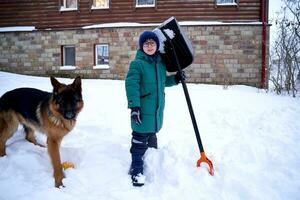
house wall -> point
(47, 15)
(224, 54)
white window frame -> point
(144, 6)
(104, 65)
(232, 3)
(98, 7)
(64, 55)
(64, 7)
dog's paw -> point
(67, 165)
(58, 180)
(59, 184)
(2, 152)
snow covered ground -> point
(251, 136)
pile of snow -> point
(251, 136)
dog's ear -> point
(77, 83)
(56, 85)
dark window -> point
(145, 3)
(225, 2)
(69, 56)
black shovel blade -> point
(181, 43)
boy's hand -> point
(177, 76)
(136, 115)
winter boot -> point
(138, 180)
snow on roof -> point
(17, 28)
(129, 24)
(183, 23)
(195, 23)
(118, 24)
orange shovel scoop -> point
(204, 159)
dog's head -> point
(67, 99)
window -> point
(101, 55)
(99, 4)
(226, 2)
(68, 5)
(145, 3)
(69, 55)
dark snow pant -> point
(139, 145)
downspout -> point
(264, 39)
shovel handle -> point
(203, 158)
(186, 93)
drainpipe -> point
(264, 39)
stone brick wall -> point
(226, 54)
(223, 54)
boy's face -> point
(149, 47)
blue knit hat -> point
(146, 35)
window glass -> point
(69, 55)
(225, 1)
(100, 3)
(70, 3)
(145, 2)
(102, 54)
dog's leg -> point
(53, 150)
(30, 136)
(8, 126)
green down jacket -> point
(145, 85)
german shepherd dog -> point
(51, 113)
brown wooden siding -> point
(46, 15)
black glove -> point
(136, 115)
(177, 76)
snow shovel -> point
(203, 158)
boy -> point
(145, 84)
